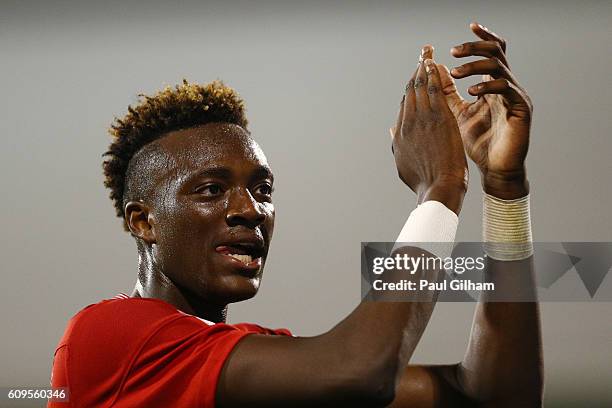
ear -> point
(140, 221)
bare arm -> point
(503, 365)
(358, 361)
(354, 364)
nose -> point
(243, 209)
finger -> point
(409, 101)
(420, 81)
(426, 52)
(437, 100)
(410, 105)
(400, 115)
(449, 89)
(487, 49)
(490, 66)
(502, 86)
(398, 122)
(420, 88)
(487, 35)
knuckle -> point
(419, 82)
(410, 85)
(497, 65)
(422, 122)
(441, 117)
(431, 119)
(529, 103)
(432, 89)
(498, 48)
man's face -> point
(213, 212)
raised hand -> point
(428, 151)
(495, 127)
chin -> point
(237, 288)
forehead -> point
(211, 145)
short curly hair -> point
(184, 106)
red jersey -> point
(141, 352)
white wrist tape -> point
(430, 226)
(506, 228)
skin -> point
(363, 360)
(213, 187)
(495, 127)
(503, 365)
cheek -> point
(185, 236)
(268, 208)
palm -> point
(494, 134)
(494, 129)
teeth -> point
(242, 258)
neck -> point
(153, 283)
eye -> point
(210, 190)
(265, 189)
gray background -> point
(322, 84)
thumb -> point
(449, 89)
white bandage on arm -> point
(506, 228)
(430, 226)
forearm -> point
(384, 333)
(380, 337)
(503, 363)
(356, 362)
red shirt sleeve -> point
(143, 352)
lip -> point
(251, 245)
(252, 240)
(249, 269)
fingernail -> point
(457, 48)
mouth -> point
(244, 255)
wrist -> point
(506, 187)
(450, 194)
(506, 228)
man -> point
(194, 190)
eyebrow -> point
(263, 172)
(220, 172)
(225, 173)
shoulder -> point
(115, 324)
(118, 317)
(255, 328)
(114, 349)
